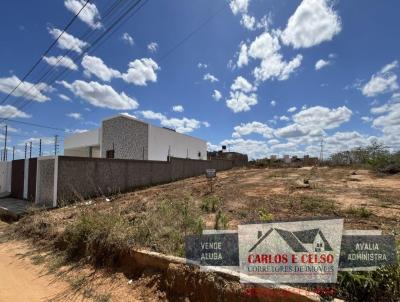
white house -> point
(125, 137)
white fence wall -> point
(5, 176)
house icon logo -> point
(312, 240)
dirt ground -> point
(365, 200)
(31, 275)
(246, 195)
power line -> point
(115, 23)
(5, 145)
(193, 32)
(55, 144)
(51, 69)
(44, 54)
(37, 125)
(187, 37)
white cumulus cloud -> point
(95, 66)
(242, 84)
(243, 58)
(266, 47)
(89, 15)
(100, 95)
(313, 22)
(183, 125)
(67, 41)
(217, 95)
(128, 38)
(64, 97)
(75, 115)
(8, 111)
(248, 22)
(323, 117)
(240, 101)
(239, 6)
(383, 81)
(26, 90)
(210, 77)
(141, 71)
(61, 61)
(321, 64)
(152, 47)
(178, 108)
(253, 127)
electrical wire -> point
(44, 54)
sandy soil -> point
(21, 281)
(244, 192)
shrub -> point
(165, 226)
(380, 285)
(359, 212)
(37, 224)
(265, 216)
(102, 236)
(210, 204)
(221, 221)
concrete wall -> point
(26, 177)
(128, 137)
(81, 152)
(5, 176)
(80, 178)
(92, 151)
(84, 139)
(162, 141)
(46, 181)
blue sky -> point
(264, 77)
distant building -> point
(287, 159)
(125, 137)
(238, 159)
(273, 157)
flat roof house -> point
(125, 137)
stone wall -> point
(80, 178)
(128, 137)
(5, 176)
(45, 182)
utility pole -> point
(26, 146)
(5, 146)
(321, 154)
(30, 149)
(40, 147)
(55, 144)
(13, 152)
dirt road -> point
(20, 280)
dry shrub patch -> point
(38, 224)
(164, 226)
(382, 196)
(358, 212)
(102, 236)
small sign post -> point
(211, 174)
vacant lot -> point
(100, 230)
(159, 217)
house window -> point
(110, 154)
(319, 247)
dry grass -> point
(158, 218)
